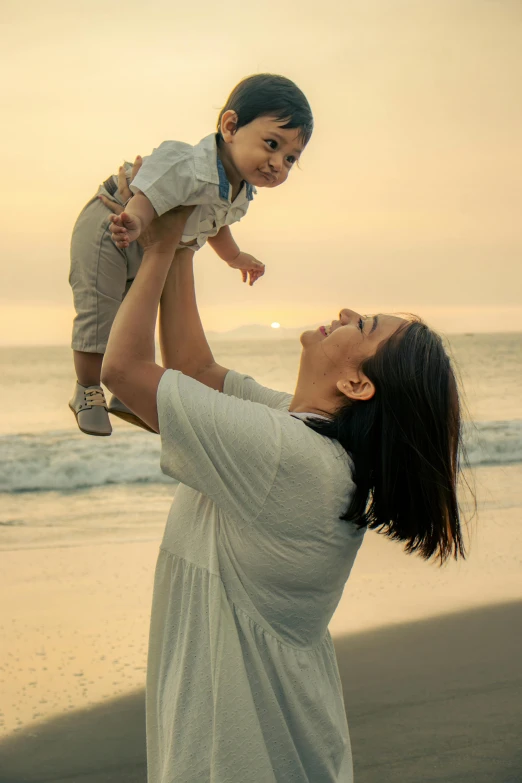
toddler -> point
(261, 132)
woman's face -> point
(333, 353)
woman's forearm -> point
(140, 208)
(132, 335)
(183, 343)
(128, 368)
(131, 342)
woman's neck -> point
(304, 402)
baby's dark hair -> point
(268, 95)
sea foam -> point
(69, 461)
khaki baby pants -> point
(100, 276)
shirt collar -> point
(209, 168)
(224, 184)
(305, 416)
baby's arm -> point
(138, 215)
(226, 247)
(224, 244)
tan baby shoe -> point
(90, 409)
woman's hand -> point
(160, 232)
(124, 191)
(165, 232)
(121, 219)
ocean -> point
(51, 474)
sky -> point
(408, 197)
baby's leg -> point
(88, 367)
(99, 278)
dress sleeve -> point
(224, 447)
(167, 176)
(245, 387)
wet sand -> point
(430, 658)
(436, 701)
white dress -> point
(243, 684)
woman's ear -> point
(359, 388)
(228, 125)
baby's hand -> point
(249, 266)
(125, 229)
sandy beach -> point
(430, 658)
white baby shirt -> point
(181, 174)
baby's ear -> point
(229, 122)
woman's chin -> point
(308, 337)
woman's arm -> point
(129, 369)
(183, 343)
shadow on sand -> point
(436, 701)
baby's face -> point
(263, 152)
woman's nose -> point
(346, 315)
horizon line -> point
(270, 330)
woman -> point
(276, 493)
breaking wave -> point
(65, 461)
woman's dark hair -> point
(406, 444)
(267, 95)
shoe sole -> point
(89, 432)
(131, 418)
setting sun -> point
(275, 325)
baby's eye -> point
(291, 159)
(272, 143)
(361, 324)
